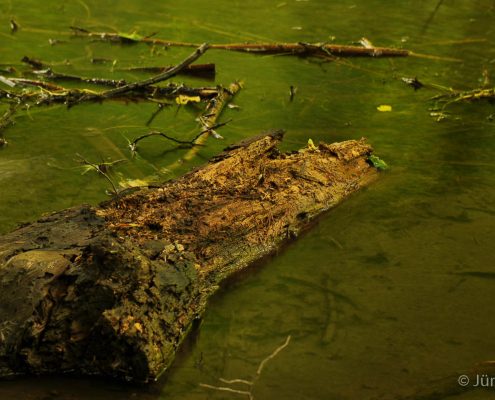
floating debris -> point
(413, 82)
(366, 43)
(292, 92)
(14, 27)
(384, 108)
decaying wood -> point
(113, 290)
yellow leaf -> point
(183, 99)
(384, 108)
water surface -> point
(391, 290)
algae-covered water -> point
(387, 293)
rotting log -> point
(113, 290)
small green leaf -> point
(377, 162)
(311, 145)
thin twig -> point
(248, 393)
(40, 84)
(208, 130)
(227, 389)
(50, 74)
(37, 64)
(432, 15)
(231, 381)
(190, 143)
(274, 354)
(158, 110)
(133, 144)
(101, 171)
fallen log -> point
(113, 290)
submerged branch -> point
(133, 144)
(50, 93)
(208, 121)
(143, 89)
(273, 355)
(37, 83)
(153, 80)
(454, 96)
(199, 70)
(451, 96)
(313, 49)
(213, 110)
(300, 48)
(251, 383)
(56, 76)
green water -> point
(389, 291)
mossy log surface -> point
(113, 290)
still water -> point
(388, 292)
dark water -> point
(388, 292)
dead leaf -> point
(384, 108)
(183, 99)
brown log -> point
(113, 290)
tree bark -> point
(112, 290)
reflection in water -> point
(390, 291)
